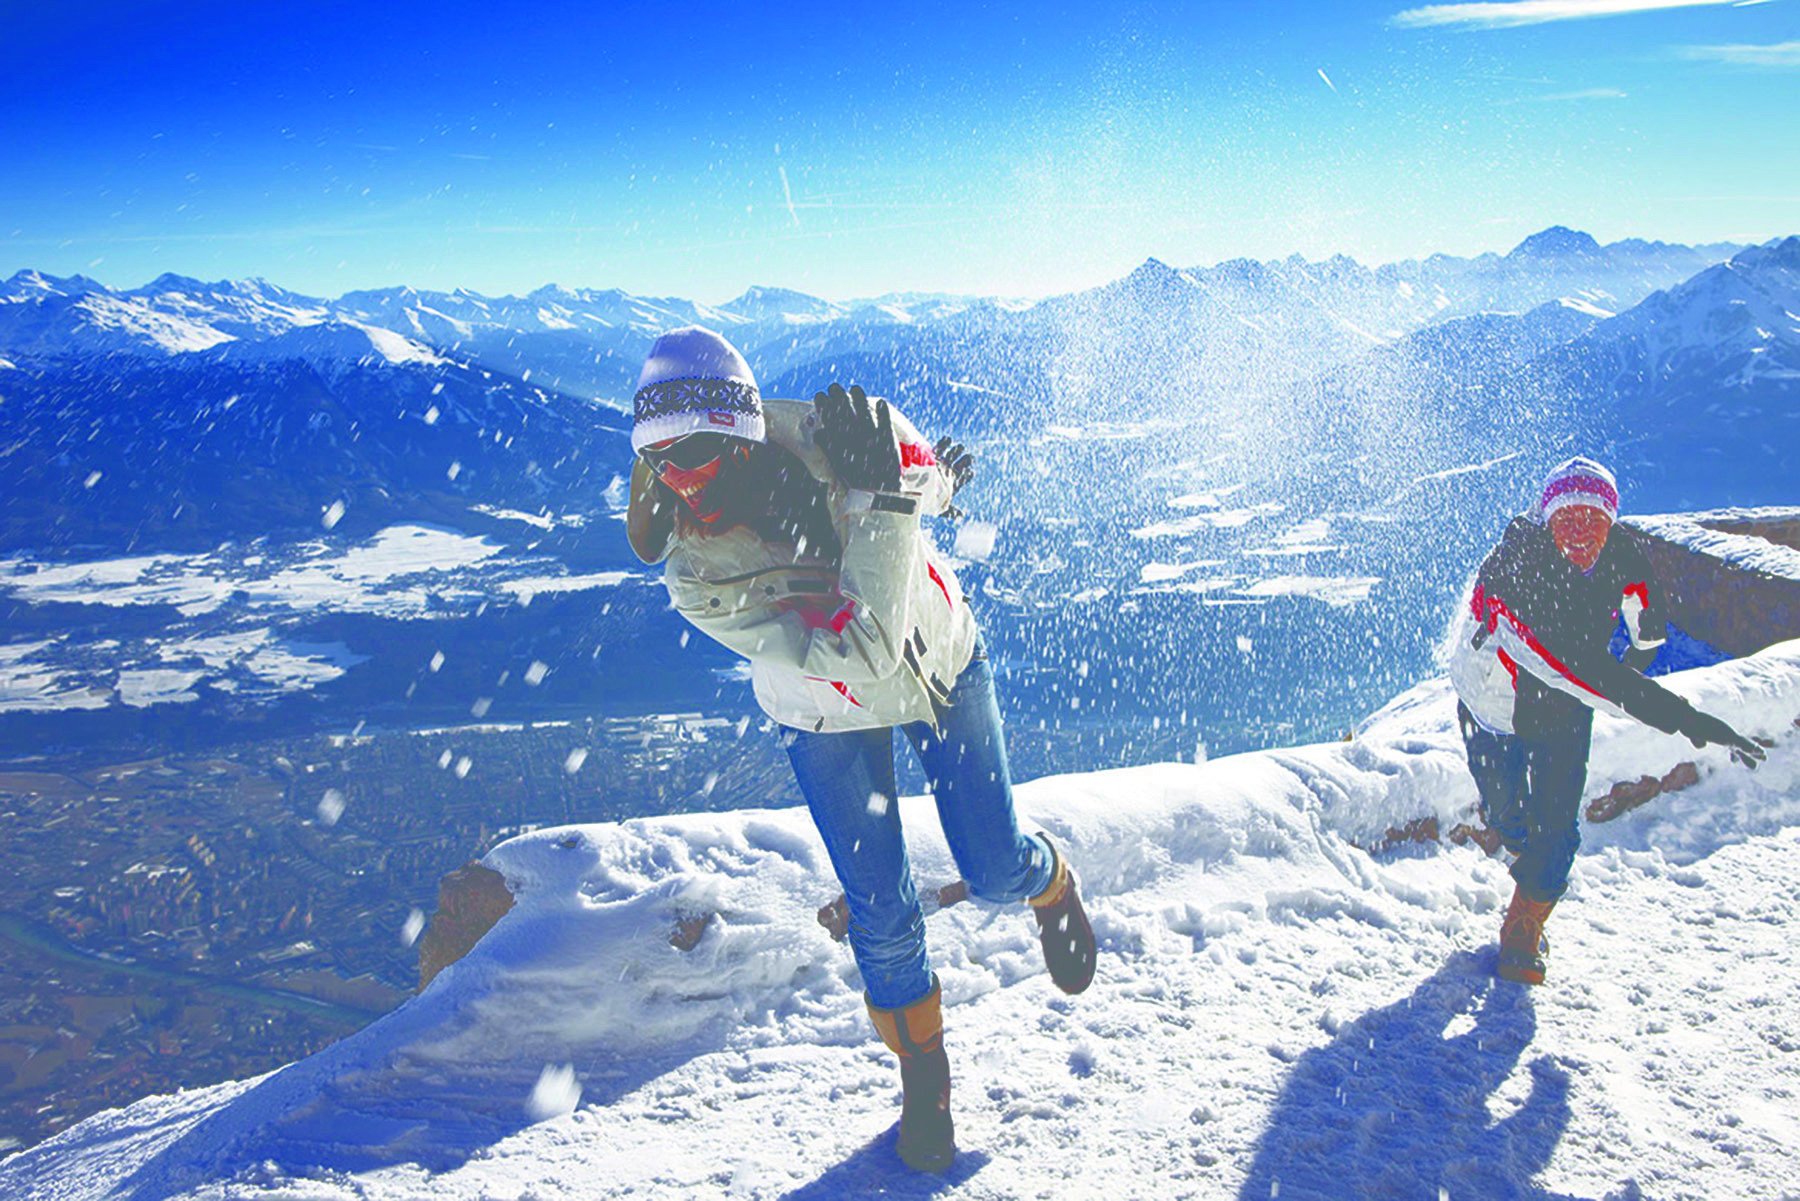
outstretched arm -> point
(1603, 683)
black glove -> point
(957, 463)
(1704, 728)
(858, 439)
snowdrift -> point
(1277, 1010)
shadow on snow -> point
(1399, 1104)
(362, 1104)
(875, 1170)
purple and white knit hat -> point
(1580, 482)
(695, 382)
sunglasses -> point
(689, 453)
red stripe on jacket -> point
(1496, 608)
(942, 587)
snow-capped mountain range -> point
(580, 340)
(1290, 434)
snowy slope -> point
(330, 345)
(1277, 1011)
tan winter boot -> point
(1063, 928)
(1523, 946)
(916, 1034)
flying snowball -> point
(556, 1094)
(975, 540)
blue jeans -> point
(1531, 796)
(965, 763)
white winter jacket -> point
(873, 640)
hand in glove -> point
(1704, 728)
(858, 439)
(957, 463)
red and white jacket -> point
(1531, 650)
(872, 639)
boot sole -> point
(1081, 932)
(934, 1163)
(1519, 974)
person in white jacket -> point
(790, 532)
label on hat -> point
(725, 419)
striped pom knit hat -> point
(695, 382)
(1579, 482)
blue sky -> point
(849, 150)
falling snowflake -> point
(878, 804)
(576, 758)
(431, 415)
(463, 765)
(437, 661)
(534, 675)
(92, 479)
(481, 706)
(331, 807)
(334, 513)
(412, 928)
(444, 759)
(455, 468)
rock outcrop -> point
(471, 900)
(1733, 603)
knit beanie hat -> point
(1580, 482)
(695, 382)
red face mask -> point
(691, 485)
(690, 466)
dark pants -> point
(848, 782)
(1531, 795)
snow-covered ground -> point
(1277, 1014)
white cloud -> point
(1503, 14)
(1780, 54)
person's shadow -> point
(875, 1170)
(1398, 1104)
